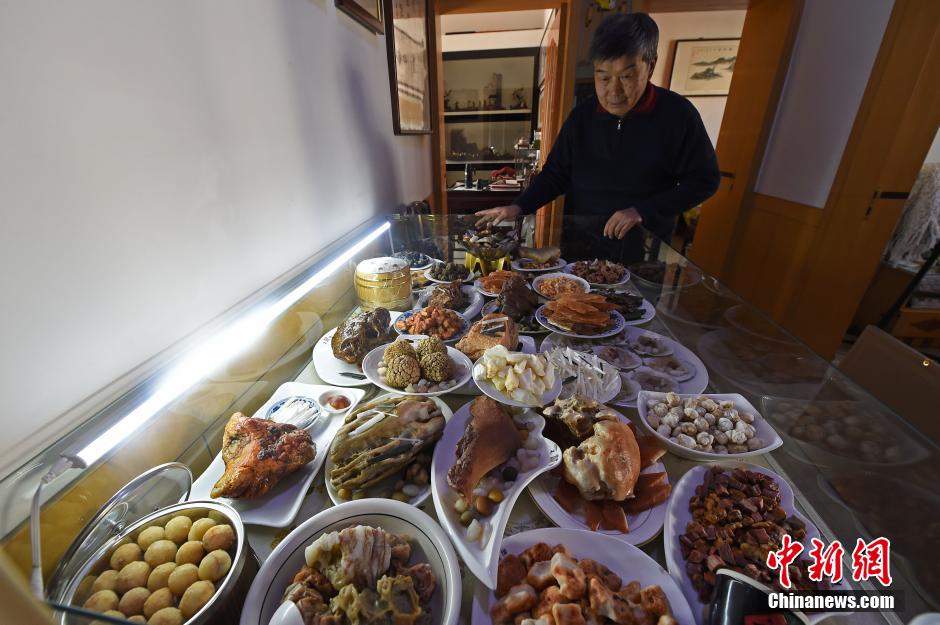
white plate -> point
(764, 430)
(474, 299)
(559, 264)
(644, 527)
(331, 369)
(569, 268)
(465, 325)
(427, 274)
(481, 558)
(491, 391)
(279, 506)
(541, 278)
(649, 361)
(479, 288)
(627, 561)
(678, 517)
(388, 483)
(618, 325)
(429, 544)
(461, 366)
(526, 346)
(694, 386)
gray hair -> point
(625, 34)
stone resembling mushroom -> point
(402, 371)
(429, 346)
(398, 348)
(436, 367)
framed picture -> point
(703, 66)
(366, 12)
(406, 37)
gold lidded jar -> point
(384, 282)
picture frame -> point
(703, 67)
(369, 13)
(406, 40)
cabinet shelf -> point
(488, 112)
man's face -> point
(621, 82)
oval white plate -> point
(559, 264)
(474, 300)
(618, 325)
(388, 482)
(648, 362)
(491, 391)
(627, 561)
(481, 558)
(649, 311)
(644, 527)
(461, 365)
(569, 268)
(465, 325)
(625, 360)
(678, 517)
(279, 506)
(338, 372)
(764, 430)
(427, 274)
(541, 278)
(429, 544)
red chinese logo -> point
(782, 558)
(826, 561)
(872, 560)
(869, 560)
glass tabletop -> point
(859, 470)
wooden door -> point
(548, 220)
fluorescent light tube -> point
(205, 358)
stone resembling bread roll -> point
(605, 465)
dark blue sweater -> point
(657, 158)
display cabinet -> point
(490, 103)
(857, 470)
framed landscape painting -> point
(703, 66)
(406, 36)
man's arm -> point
(555, 177)
(696, 169)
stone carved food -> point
(599, 271)
(381, 438)
(736, 520)
(627, 304)
(584, 375)
(433, 321)
(495, 281)
(522, 377)
(258, 454)
(361, 575)
(447, 295)
(494, 329)
(360, 333)
(448, 272)
(545, 584)
(601, 470)
(582, 313)
(538, 258)
(426, 368)
(703, 424)
(493, 451)
(143, 591)
(556, 286)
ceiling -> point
(494, 22)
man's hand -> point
(620, 223)
(495, 215)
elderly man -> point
(634, 154)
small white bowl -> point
(428, 541)
(324, 401)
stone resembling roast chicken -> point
(360, 333)
(258, 454)
(490, 439)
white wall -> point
(933, 155)
(696, 25)
(833, 55)
(163, 160)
